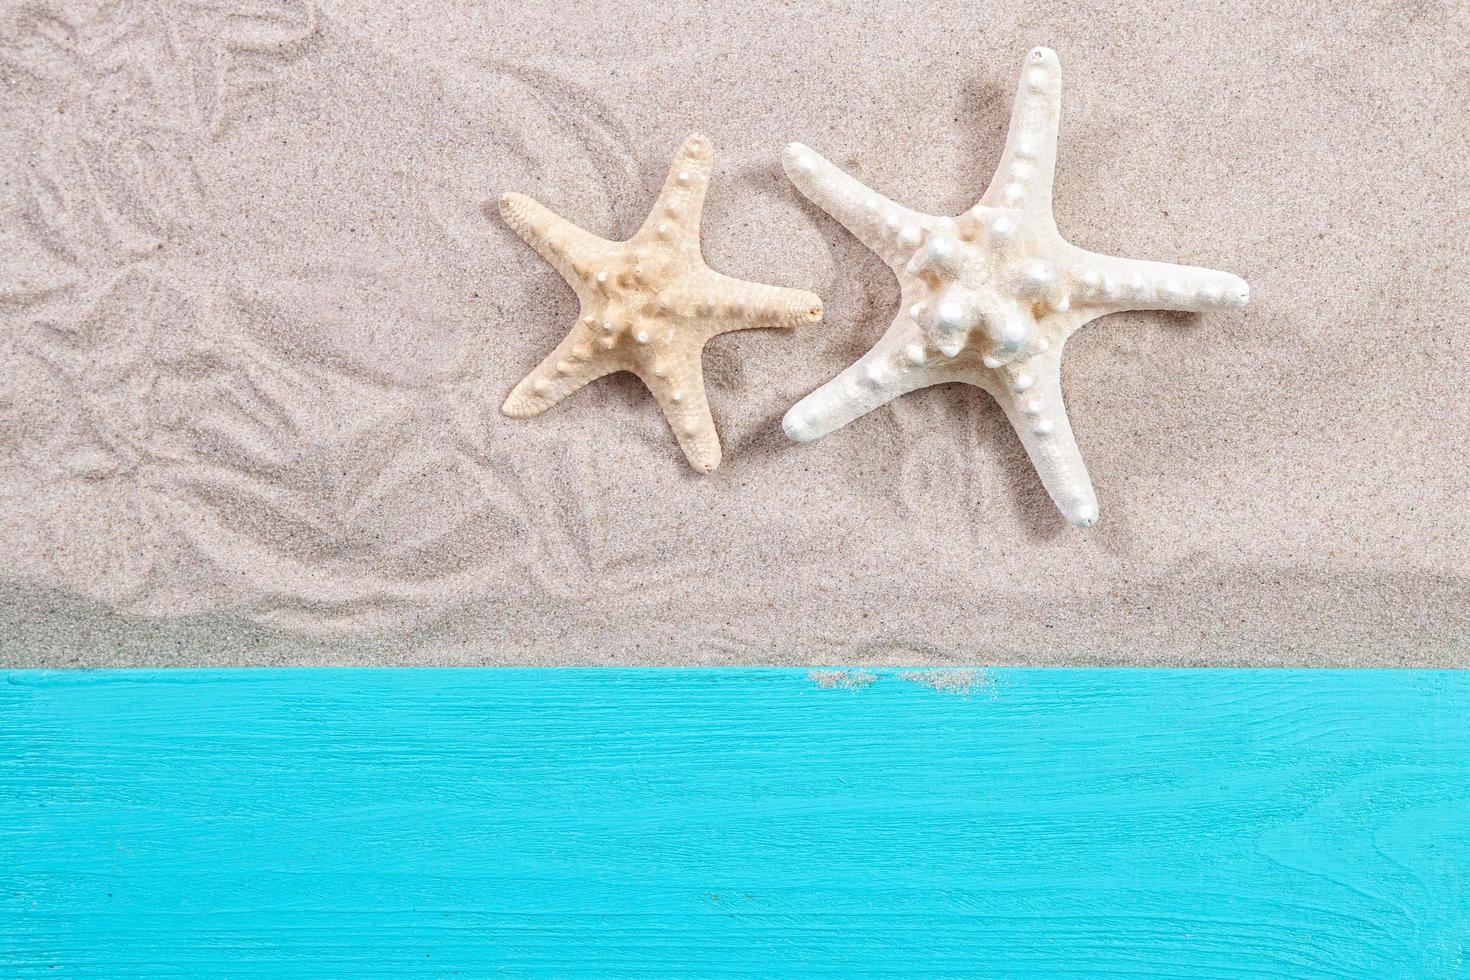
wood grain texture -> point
(737, 823)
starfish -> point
(648, 305)
(991, 296)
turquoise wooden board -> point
(735, 823)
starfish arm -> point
(679, 390)
(1029, 162)
(890, 230)
(1032, 400)
(1107, 284)
(676, 213)
(571, 366)
(570, 250)
(722, 303)
(899, 363)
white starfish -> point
(991, 296)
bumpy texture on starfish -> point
(648, 305)
(990, 297)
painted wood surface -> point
(737, 823)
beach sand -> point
(258, 314)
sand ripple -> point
(255, 323)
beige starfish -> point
(648, 305)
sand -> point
(257, 316)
